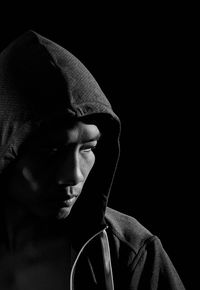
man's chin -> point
(63, 213)
(58, 212)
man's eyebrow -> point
(94, 138)
(61, 139)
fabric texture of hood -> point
(40, 82)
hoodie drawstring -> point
(109, 283)
(107, 261)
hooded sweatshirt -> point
(43, 84)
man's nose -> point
(70, 172)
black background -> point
(138, 55)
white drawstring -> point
(107, 261)
(106, 256)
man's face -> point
(49, 176)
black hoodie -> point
(42, 83)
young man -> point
(59, 151)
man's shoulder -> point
(127, 229)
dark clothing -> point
(43, 85)
(138, 258)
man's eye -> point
(47, 150)
(88, 148)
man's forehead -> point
(81, 131)
(71, 132)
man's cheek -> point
(29, 179)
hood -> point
(41, 81)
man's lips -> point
(61, 202)
(62, 195)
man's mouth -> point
(61, 202)
(63, 195)
(70, 201)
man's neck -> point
(22, 227)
